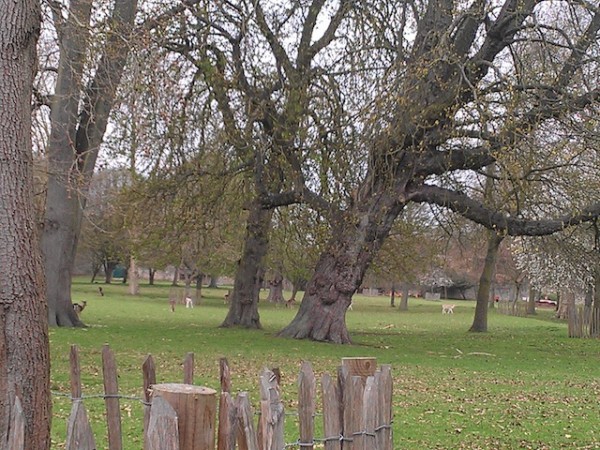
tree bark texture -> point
(276, 289)
(243, 307)
(24, 354)
(78, 119)
(404, 300)
(480, 322)
(339, 272)
(531, 301)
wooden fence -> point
(583, 322)
(356, 410)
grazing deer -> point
(100, 291)
(78, 307)
(172, 303)
(448, 309)
(290, 303)
(189, 303)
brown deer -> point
(78, 307)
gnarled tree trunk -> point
(24, 353)
(340, 270)
(276, 289)
(243, 301)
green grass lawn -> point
(524, 384)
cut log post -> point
(196, 409)
(362, 367)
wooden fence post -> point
(163, 433)
(362, 367)
(384, 414)
(352, 404)
(79, 431)
(270, 424)
(111, 392)
(188, 369)
(332, 420)
(370, 405)
(227, 413)
(75, 376)
(246, 436)
(149, 379)
(307, 392)
(196, 409)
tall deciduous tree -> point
(79, 117)
(444, 116)
(410, 95)
(24, 355)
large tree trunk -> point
(243, 301)
(404, 300)
(595, 309)
(24, 353)
(276, 289)
(485, 282)
(134, 280)
(61, 221)
(340, 271)
(531, 301)
(74, 143)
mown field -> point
(524, 384)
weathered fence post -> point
(79, 431)
(362, 367)
(163, 432)
(227, 411)
(307, 390)
(353, 375)
(188, 369)
(332, 420)
(246, 435)
(196, 409)
(149, 379)
(270, 424)
(111, 399)
(370, 406)
(384, 414)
